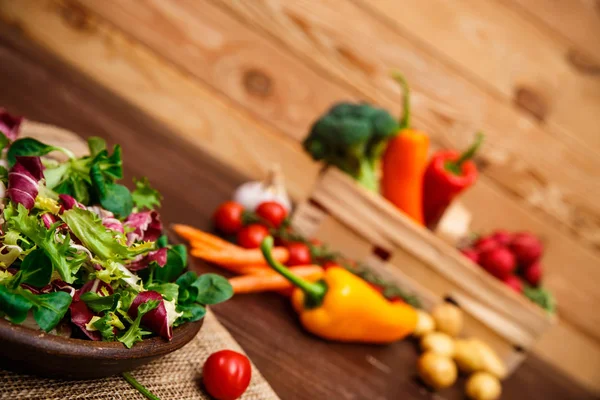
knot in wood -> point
(531, 102)
(257, 83)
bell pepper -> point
(404, 163)
(446, 176)
(343, 307)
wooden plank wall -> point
(244, 79)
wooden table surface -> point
(298, 366)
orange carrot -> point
(240, 258)
(247, 269)
(198, 236)
(274, 281)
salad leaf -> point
(64, 259)
(32, 147)
(4, 141)
(144, 196)
(99, 303)
(107, 324)
(162, 241)
(145, 225)
(50, 308)
(190, 313)
(172, 269)
(157, 319)
(104, 243)
(117, 199)
(23, 181)
(36, 269)
(134, 333)
(212, 289)
(169, 291)
(9, 124)
(81, 315)
(96, 145)
(14, 305)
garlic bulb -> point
(251, 194)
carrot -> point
(274, 281)
(242, 257)
(198, 236)
(247, 269)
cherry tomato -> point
(252, 236)
(299, 254)
(226, 374)
(329, 264)
(228, 217)
(272, 212)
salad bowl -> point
(35, 352)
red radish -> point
(502, 237)
(299, 254)
(533, 274)
(514, 283)
(471, 254)
(527, 248)
(485, 244)
(498, 261)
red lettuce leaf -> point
(155, 320)
(159, 256)
(146, 224)
(67, 202)
(23, 180)
(10, 124)
(81, 315)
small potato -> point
(439, 343)
(490, 361)
(436, 370)
(448, 319)
(483, 386)
(425, 324)
(473, 355)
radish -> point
(533, 274)
(514, 283)
(471, 254)
(527, 248)
(485, 243)
(502, 237)
(498, 261)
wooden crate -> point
(363, 225)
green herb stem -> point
(138, 386)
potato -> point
(439, 343)
(473, 355)
(425, 324)
(448, 319)
(436, 370)
(483, 386)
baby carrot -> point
(239, 257)
(262, 283)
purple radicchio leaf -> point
(62, 286)
(23, 181)
(142, 262)
(156, 319)
(48, 219)
(146, 224)
(81, 315)
(35, 290)
(10, 124)
(67, 202)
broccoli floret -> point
(353, 138)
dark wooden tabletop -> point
(297, 365)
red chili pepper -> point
(447, 174)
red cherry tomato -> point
(252, 236)
(228, 217)
(329, 264)
(226, 374)
(272, 212)
(299, 254)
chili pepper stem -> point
(140, 388)
(405, 120)
(314, 292)
(456, 166)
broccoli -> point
(353, 138)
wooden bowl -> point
(35, 352)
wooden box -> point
(364, 226)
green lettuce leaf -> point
(50, 308)
(135, 334)
(104, 243)
(32, 147)
(14, 305)
(36, 269)
(106, 325)
(144, 196)
(98, 303)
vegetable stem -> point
(470, 152)
(138, 386)
(315, 292)
(405, 120)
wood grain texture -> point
(576, 20)
(38, 85)
(445, 103)
(503, 51)
(205, 119)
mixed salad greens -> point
(83, 256)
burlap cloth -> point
(175, 376)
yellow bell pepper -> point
(343, 307)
